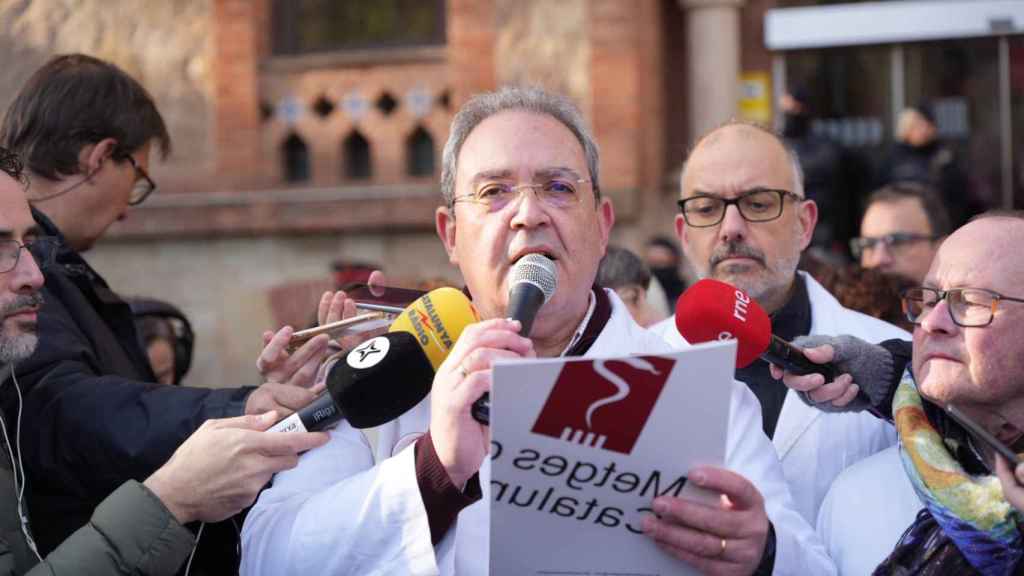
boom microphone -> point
(713, 310)
(377, 381)
(532, 281)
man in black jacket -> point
(85, 129)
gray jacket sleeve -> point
(131, 532)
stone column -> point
(713, 61)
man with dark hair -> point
(139, 528)
(623, 271)
(86, 129)
(900, 231)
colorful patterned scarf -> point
(966, 526)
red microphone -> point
(713, 310)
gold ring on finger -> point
(721, 551)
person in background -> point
(821, 161)
(166, 335)
(920, 156)
(902, 227)
(623, 271)
(665, 261)
(865, 290)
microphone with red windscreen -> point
(713, 310)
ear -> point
(605, 220)
(681, 229)
(444, 223)
(808, 217)
(91, 156)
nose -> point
(528, 210)
(938, 320)
(733, 226)
(26, 276)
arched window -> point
(419, 153)
(295, 156)
(355, 150)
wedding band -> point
(722, 551)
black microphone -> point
(376, 382)
(532, 281)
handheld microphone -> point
(713, 310)
(532, 281)
(436, 320)
(377, 381)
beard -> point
(19, 338)
(756, 277)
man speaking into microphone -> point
(520, 185)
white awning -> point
(890, 22)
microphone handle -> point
(320, 414)
(524, 300)
(481, 411)
(790, 357)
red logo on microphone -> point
(604, 403)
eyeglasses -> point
(143, 186)
(893, 242)
(757, 205)
(556, 193)
(43, 249)
(968, 307)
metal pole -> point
(778, 85)
(1005, 122)
(898, 90)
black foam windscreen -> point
(380, 379)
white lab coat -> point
(341, 512)
(815, 446)
(871, 504)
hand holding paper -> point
(728, 538)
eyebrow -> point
(751, 190)
(542, 173)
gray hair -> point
(794, 159)
(528, 99)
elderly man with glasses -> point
(940, 503)
(85, 130)
(520, 177)
(744, 220)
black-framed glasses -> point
(554, 192)
(143, 186)
(968, 307)
(757, 205)
(893, 242)
(42, 248)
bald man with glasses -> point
(942, 500)
(744, 219)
